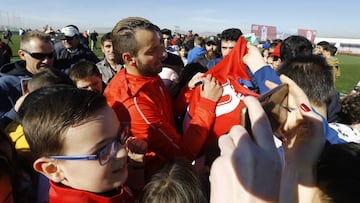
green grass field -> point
(349, 64)
(350, 73)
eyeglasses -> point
(39, 56)
(108, 152)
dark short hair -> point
(166, 31)
(82, 70)
(295, 45)
(231, 34)
(48, 77)
(106, 37)
(47, 113)
(313, 75)
(338, 172)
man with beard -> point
(212, 51)
(138, 95)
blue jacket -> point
(64, 60)
(195, 53)
(10, 89)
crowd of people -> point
(171, 117)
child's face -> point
(87, 139)
(93, 83)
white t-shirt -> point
(346, 132)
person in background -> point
(93, 38)
(70, 51)
(167, 38)
(212, 51)
(197, 50)
(8, 36)
(329, 51)
(349, 129)
(36, 53)
(274, 58)
(110, 65)
(21, 32)
(228, 38)
(356, 88)
(85, 38)
(5, 53)
(319, 48)
(86, 75)
(183, 53)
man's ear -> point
(128, 59)
(21, 54)
(49, 168)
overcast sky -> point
(329, 18)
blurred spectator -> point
(8, 36)
(212, 45)
(70, 51)
(329, 51)
(21, 32)
(356, 88)
(93, 38)
(5, 53)
(350, 129)
(183, 53)
(110, 65)
(197, 50)
(167, 38)
(229, 38)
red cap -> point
(276, 51)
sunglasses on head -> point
(39, 56)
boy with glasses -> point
(80, 145)
(36, 53)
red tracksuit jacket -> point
(147, 105)
(59, 194)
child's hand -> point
(136, 150)
(253, 58)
